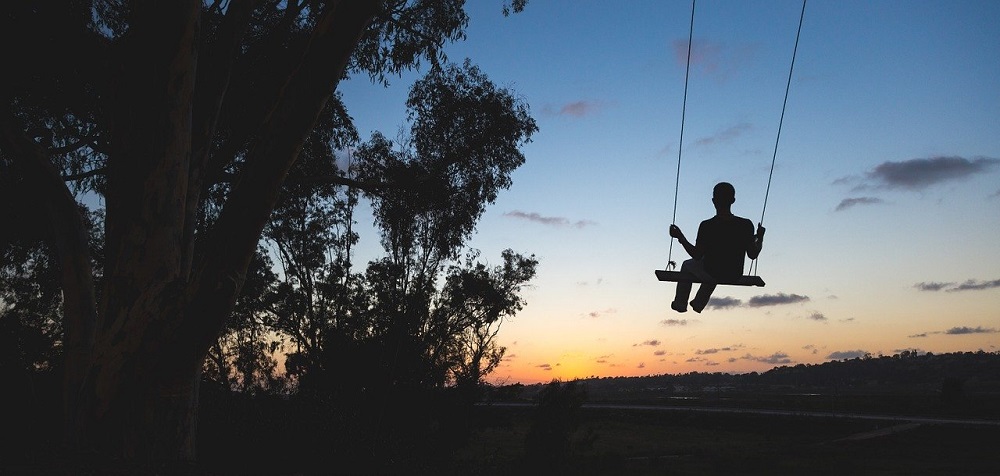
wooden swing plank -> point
(677, 276)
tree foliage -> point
(201, 128)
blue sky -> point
(884, 208)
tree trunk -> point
(161, 310)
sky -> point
(883, 213)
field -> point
(636, 442)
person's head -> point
(724, 194)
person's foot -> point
(697, 306)
(678, 306)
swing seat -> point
(679, 277)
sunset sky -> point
(883, 219)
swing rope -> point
(680, 143)
(781, 120)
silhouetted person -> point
(718, 252)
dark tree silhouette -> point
(153, 105)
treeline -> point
(905, 372)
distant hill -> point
(932, 377)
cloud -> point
(573, 109)
(850, 202)
(598, 314)
(641, 365)
(917, 174)
(717, 350)
(674, 322)
(922, 334)
(970, 330)
(703, 53)
(932, 286)
(774, 359)
(551, 221)
(711, 58)
(974, 285)
(544, 366)
(817, 316)
(776, 299)
(660, 353)
(724, 302)
(725, 135)
(652, 343)
(969, 285)
(846, 354)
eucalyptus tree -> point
(151, 105)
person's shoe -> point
(678, 306)
(697, 306)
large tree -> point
(150, 105)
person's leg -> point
(684, 288)
(681, 297)
(702, 297)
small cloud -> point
(850, 202)
(917, 174)
(641, 365)
(711, 364)
(969, 285)
(922, 334)
(712, 58)
(602, 361)
(970, 330)
(846, 354)
(816, 316)
(598, 314)
(674, 322)
(703, 53)
(776, 299)
(725, 135)
(932, 286)
(573, 109)
(974, 285)
(716, 350)
(724, 302)
(544, 366)
(652, 343)
(550, 221)
(774, 359)
(660, 353)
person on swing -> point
(717, 254)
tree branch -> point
(85, 175)
(70, 240)
(218, 278)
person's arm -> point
(691, 249)
(756, 243)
